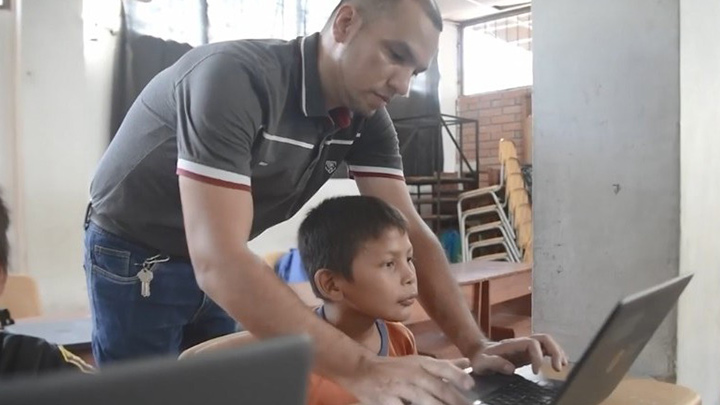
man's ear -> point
(347, 20)
(327, 284)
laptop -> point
(603, 365)
(270, 372)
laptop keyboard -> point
(522, 391)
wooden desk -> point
(479, 270)
(483, 283)
(646, 391)
(491, 284)
(634, 391)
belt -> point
(101, 221)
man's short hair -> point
(333, 233)
(372, 9)
(4, 244)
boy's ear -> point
(327, 284)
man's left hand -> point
(506, 355)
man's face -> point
(379, 58)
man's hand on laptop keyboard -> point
(411, 379)
(504, 356)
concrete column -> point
(606, 165)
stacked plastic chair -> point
(498, 217)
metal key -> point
(145, 277)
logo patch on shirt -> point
(330, 166)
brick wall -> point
(500, 115)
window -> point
(177, 20)
(199, 21)
(497, 54)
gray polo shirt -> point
(246, 114)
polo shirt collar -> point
(312, 98)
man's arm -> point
(217, 223)
(440, 294)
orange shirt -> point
(321, 391)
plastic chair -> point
(21, 296)
(236, 339)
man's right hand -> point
(410, 379)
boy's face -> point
(384, 284)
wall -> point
(699, 310)
(448, 90)
(500, 114)
(63, 92)
(284, 236)
(8, 42)
(606, 167)
(7, 89)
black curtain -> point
(138, 59)
(417, 122)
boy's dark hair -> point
(333, 232)
(373, 9)
(4, 244)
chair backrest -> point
(272, 258)
(514, 182)
(528, 253)
(232, 340)
(506, 149)
(512, 166)
(523, 214)
(21, 296)
(516, 198)
(525, 235)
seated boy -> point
(358, 258)
(359, 261)
(27, 355)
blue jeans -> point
(126, 325)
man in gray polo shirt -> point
(234, 138)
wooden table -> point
(633, 390)
(491, 283)
(482, 283)
(645, 391)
